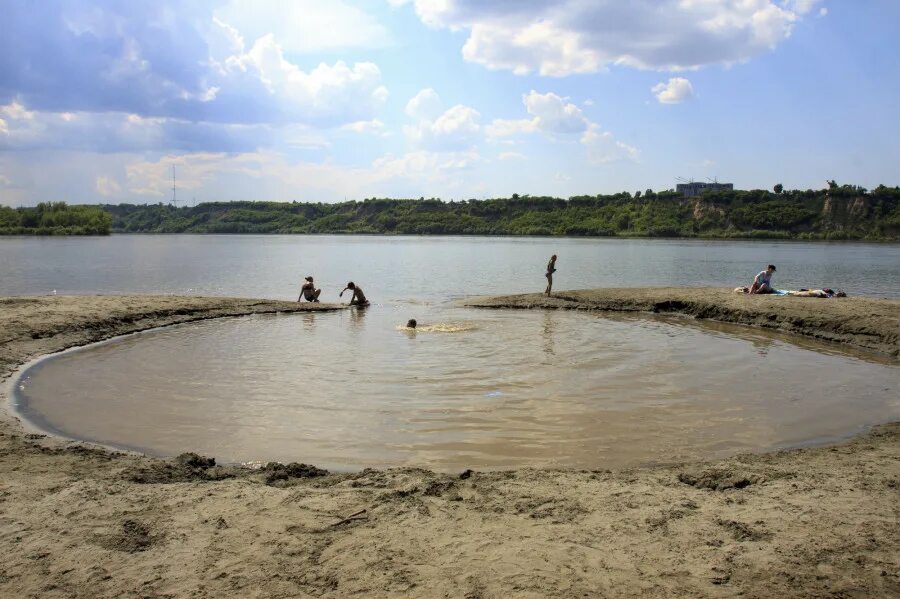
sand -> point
(82, 521)
(863, 323)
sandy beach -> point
(82, 521)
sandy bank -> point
(81, 522)
(864, 323)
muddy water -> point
(469, 389)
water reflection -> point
(547, 332)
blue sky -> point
(326, 101)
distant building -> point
(697, 188)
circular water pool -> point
(468, 389)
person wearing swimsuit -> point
(762, 283)
(551, 268)
(309, 292)
(358, 298)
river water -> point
(470, 388)
(432, 269)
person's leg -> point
(316, 295)
(549, 283)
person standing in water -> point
(358, 298)
(308, 291)
(551, 268)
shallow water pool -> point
(469, 389)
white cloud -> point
(327, 92)
(454, 129)
(603, 148)
(164, 59)
(550, 113)
(509, 127)
(553, 114)
(373, 127)
(565, 37)
(823, 12)
(675, 91)
(560, 119)
(801, 6)
(229, 175)
(108, 132)
(511, 156)
(107, 186)
(425, 105)
(307, 25)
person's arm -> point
(341, 294)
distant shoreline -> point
(875, 240)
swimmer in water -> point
(309, 292)
(411, 324)
(551, 268)
(358, 298)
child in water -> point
(551, 268)
(358, 298)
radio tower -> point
(174, 190)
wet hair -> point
(553, 257)
(411, 324)
(351, 285)
(308, 279)
(771, 267)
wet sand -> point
(80, 521)
(864, 323)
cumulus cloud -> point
(107, 186)
(603, 147)
(160, 59)
(454, 129)
(565, 37)
(560, 119)
(675, 91)
(549, 113)
(425, 105)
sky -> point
(326, 101)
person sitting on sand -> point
(309, 292)
(358, 298)
(551, 268)
(762, 283)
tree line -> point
(839, 212)
(55, 218)
(846, 212)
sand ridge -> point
(80, 521)
(865, 323)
